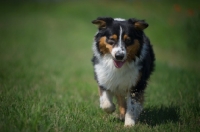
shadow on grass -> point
(159, 115)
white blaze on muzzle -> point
(119, 52)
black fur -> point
(147, 67)
(108, 29)
(112, 28)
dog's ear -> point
(103, 22)
(138, 24)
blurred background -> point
(174, 28)
(46, 48)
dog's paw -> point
(129, 122)
(108, 107)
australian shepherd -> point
(123, 61)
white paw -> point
(106, 102)
(107, 106)
(129, 122)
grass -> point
(46, 77)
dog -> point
(123, 60)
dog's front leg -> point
(106, 100)
(134, 108)
(122, 106)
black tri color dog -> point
(123, 60)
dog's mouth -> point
(118, 64)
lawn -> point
(46, 76)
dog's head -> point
(121, 38)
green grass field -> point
(46, 77)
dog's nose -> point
(119, 56)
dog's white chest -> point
(114, 79)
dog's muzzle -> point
(119, 59)
(119, 56)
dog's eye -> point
(128, 41)
(111, 41)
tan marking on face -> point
(122, 106)
(114, 37)
(132, 50)
(104, 47)
(126, 37)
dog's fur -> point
(123, 60)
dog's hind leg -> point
(134, 108)
(106, 100)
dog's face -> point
(120, 38)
